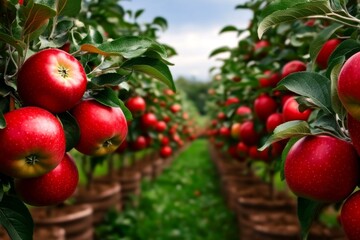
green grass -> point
(183, 203)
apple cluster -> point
(290, 99)
(35, 149)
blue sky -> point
(193, 30)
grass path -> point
(183, 203)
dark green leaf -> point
(69, 8)
(138, 13)
(311, 85)
(307, 211)
(297, 11)
(152, 67)
(160, 21)
(219, 50)
(336, 103)
(7, 14)
(17, 44)
(2, 121)
(110, 79)
(108, 97)
(288, 130)
(71, 128)
(230, 28)
(35, 16)
(320, 39)
(279, 5)
(15, 218)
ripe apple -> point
(322, 168)
(169, 92)
(136, 105)
(243, 111)
(232, 151)
(242, 150)
(32, 143)
(221, 116)
(273, 121)
(51, 79)
(261, 44)
(175, 108)
(148, 120)
(231, 100)
(348, 85)
(164, 140)
(160, 126)
(325, 52)
(165, 152)
(51, 188)
(224, 132)
(354, 132)
(235, 130)
(264, 106)
(248, 135)
(270, 79)
(293, 66)
(139, 143)
(291, 111)
(102, 128)
(350, 216)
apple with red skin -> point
(139, 143)
(348, 85)
(242, 150)
(168, 92)
(102, 128)
(291, 111)
(350, 216)
(32, 143)
(292, 67)
(248, 134)
(325, 52)
(270, 79)
(166, 118)
(136, 105)
(221, 116)
(235, 130)
(165, 151)
(243, 111)
(354, 132)
(322, 168)
(51, 188)
(231, 100)
(148, 120)
(264, 106)
(51, 79)
(164, 141)
(273, 121)
(175, 108)
(224, 132)
(261, 44)
(160, 126)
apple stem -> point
(12, 103)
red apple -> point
(350, 216)
(175, 108)
(160, 126)
(51, 79)
(165, 152)
(51, 188)
(136, 105)
(221, 116)
(148, 120)
(102, 128)
(32, 143)
(273, 121)
(248, 134)
(231, 100)
(322, 168)
(291, 111)
(242, 150)
(224, 132)
(164, 141)
(293, 66)
(264, 106)
(243, 111)
(235, 130)
(270, 79)
(354, 132)
(139, 143)
(349, 84)
(261, 44)
(325, 52)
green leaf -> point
(128, 47)
(229, 28)
(311, 85)
(108, 97)
(307, 211)
(279, 5)
(17, 44)
(320, 39)
(284, 154)
(138, 13)
(35, 16)
(69, 8)
(153, 67)
(2, 121)
(15, 218)
(110, 79)
(219, 50)
(335, 101)
(160, 21)
(71, 129)
(302, 10)
(288, 130)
